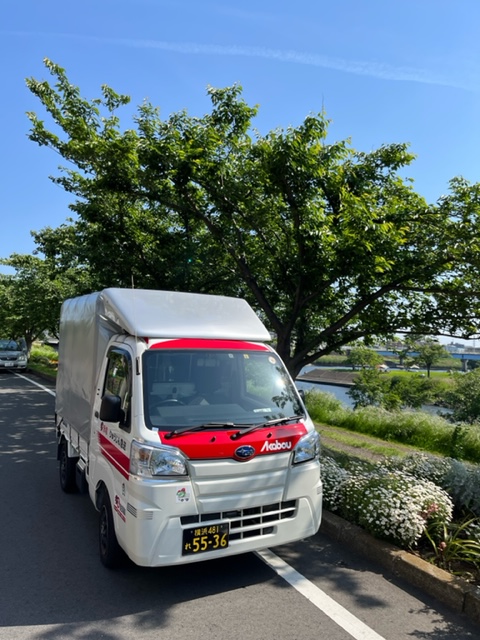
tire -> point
(111, 553)
(67, 469)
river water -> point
(341, 393)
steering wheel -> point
(169, 402)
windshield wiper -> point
(203, 427)
(268, 423)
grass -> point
(364, 447)
(342, 361)
(43, 359)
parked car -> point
(13, 355)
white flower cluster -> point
(389, 504)
(459, 479)
(333, 477)
(421, 465)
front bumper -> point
(12, 365)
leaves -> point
(329, 244)
(30, 300)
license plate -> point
(8, 364)
(209, 538)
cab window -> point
(118, 381)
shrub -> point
(389, 504)
(464, 397)
(325, 407)
(43, 353)
(394, 506)
(460, 480)
(333, 477)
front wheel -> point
(67, 469)
(111, 553)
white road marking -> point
(50, 391)
(343, 618)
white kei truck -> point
(184, 427)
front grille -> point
(247, 523)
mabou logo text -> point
(276, 446)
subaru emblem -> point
(244, 453)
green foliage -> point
(421, 430)
(30, 300)
(408, 501)
(323, 407)
(362, 357)
(367, 389)
(43, 359)
(430, 352)
(332, 359)
(392, 392)
(413, 392)
(329, 244)
(454, 543)
(43, 352)
(464, 397)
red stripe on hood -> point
(216, 444)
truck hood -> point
(218, 443)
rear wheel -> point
(111, 553)
(67, 469)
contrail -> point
(357, 67)
(380, 71)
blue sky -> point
(383, 70)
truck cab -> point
(197, 446)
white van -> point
(185, 427)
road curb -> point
(458, 594)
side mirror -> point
(111, 409)
(301, 393)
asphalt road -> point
(52, 585)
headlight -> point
(308, 448)
(22, 358)
(148, 462)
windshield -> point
(9, 345)
(184, 387)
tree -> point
(362, 357)
(329, 244)
(367, 389)
(30, 300)
(429, 353)
(464, 398)
(396, 392)
(403, 348)
(410, 392)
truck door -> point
(112, 435)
